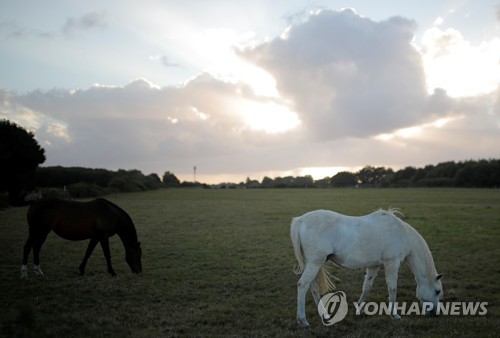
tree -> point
(20, 155)
(170, 180)
(373, 177)
(267, 182)
(344, 179)
(303, 182)
(404, 177)
(252, 183)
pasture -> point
(219, 263)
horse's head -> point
(430, 293)
(133, 257)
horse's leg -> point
(37, 246)
(92, 244)
(107, 255)
(315, 291)
(305, 280)
(26, 251)
(370, 275)
(391, 278)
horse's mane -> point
(127, 221)
(419, 246)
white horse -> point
(367, 242)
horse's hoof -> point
(303, 324)
(24, 272)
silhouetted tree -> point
(249, 183)
(267, 182)
(344, 179)
(20, 155)
(170, 180)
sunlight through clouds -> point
(271, 118)
(454, 64)
(416, 131)
(224, 62)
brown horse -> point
(96, 220)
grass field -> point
(219, 263)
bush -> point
(54, 193)
(81, 189)
(124, 184)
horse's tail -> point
(324, 277)
(297, 247)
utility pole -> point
(194, 174)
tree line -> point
(87, 182)
(467, 174)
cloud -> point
(165, 61)
(143, 126)
(438, 21)
(15, 30)
(10, 29)
(91, 20)
(347, 75)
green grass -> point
(219, 263)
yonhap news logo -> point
(333, 308)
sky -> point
(253, 88)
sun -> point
(270, 117)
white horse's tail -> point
(323, 278)
(297, 248)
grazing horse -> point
(96, 220)
(368, 242)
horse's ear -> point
(438, 277)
